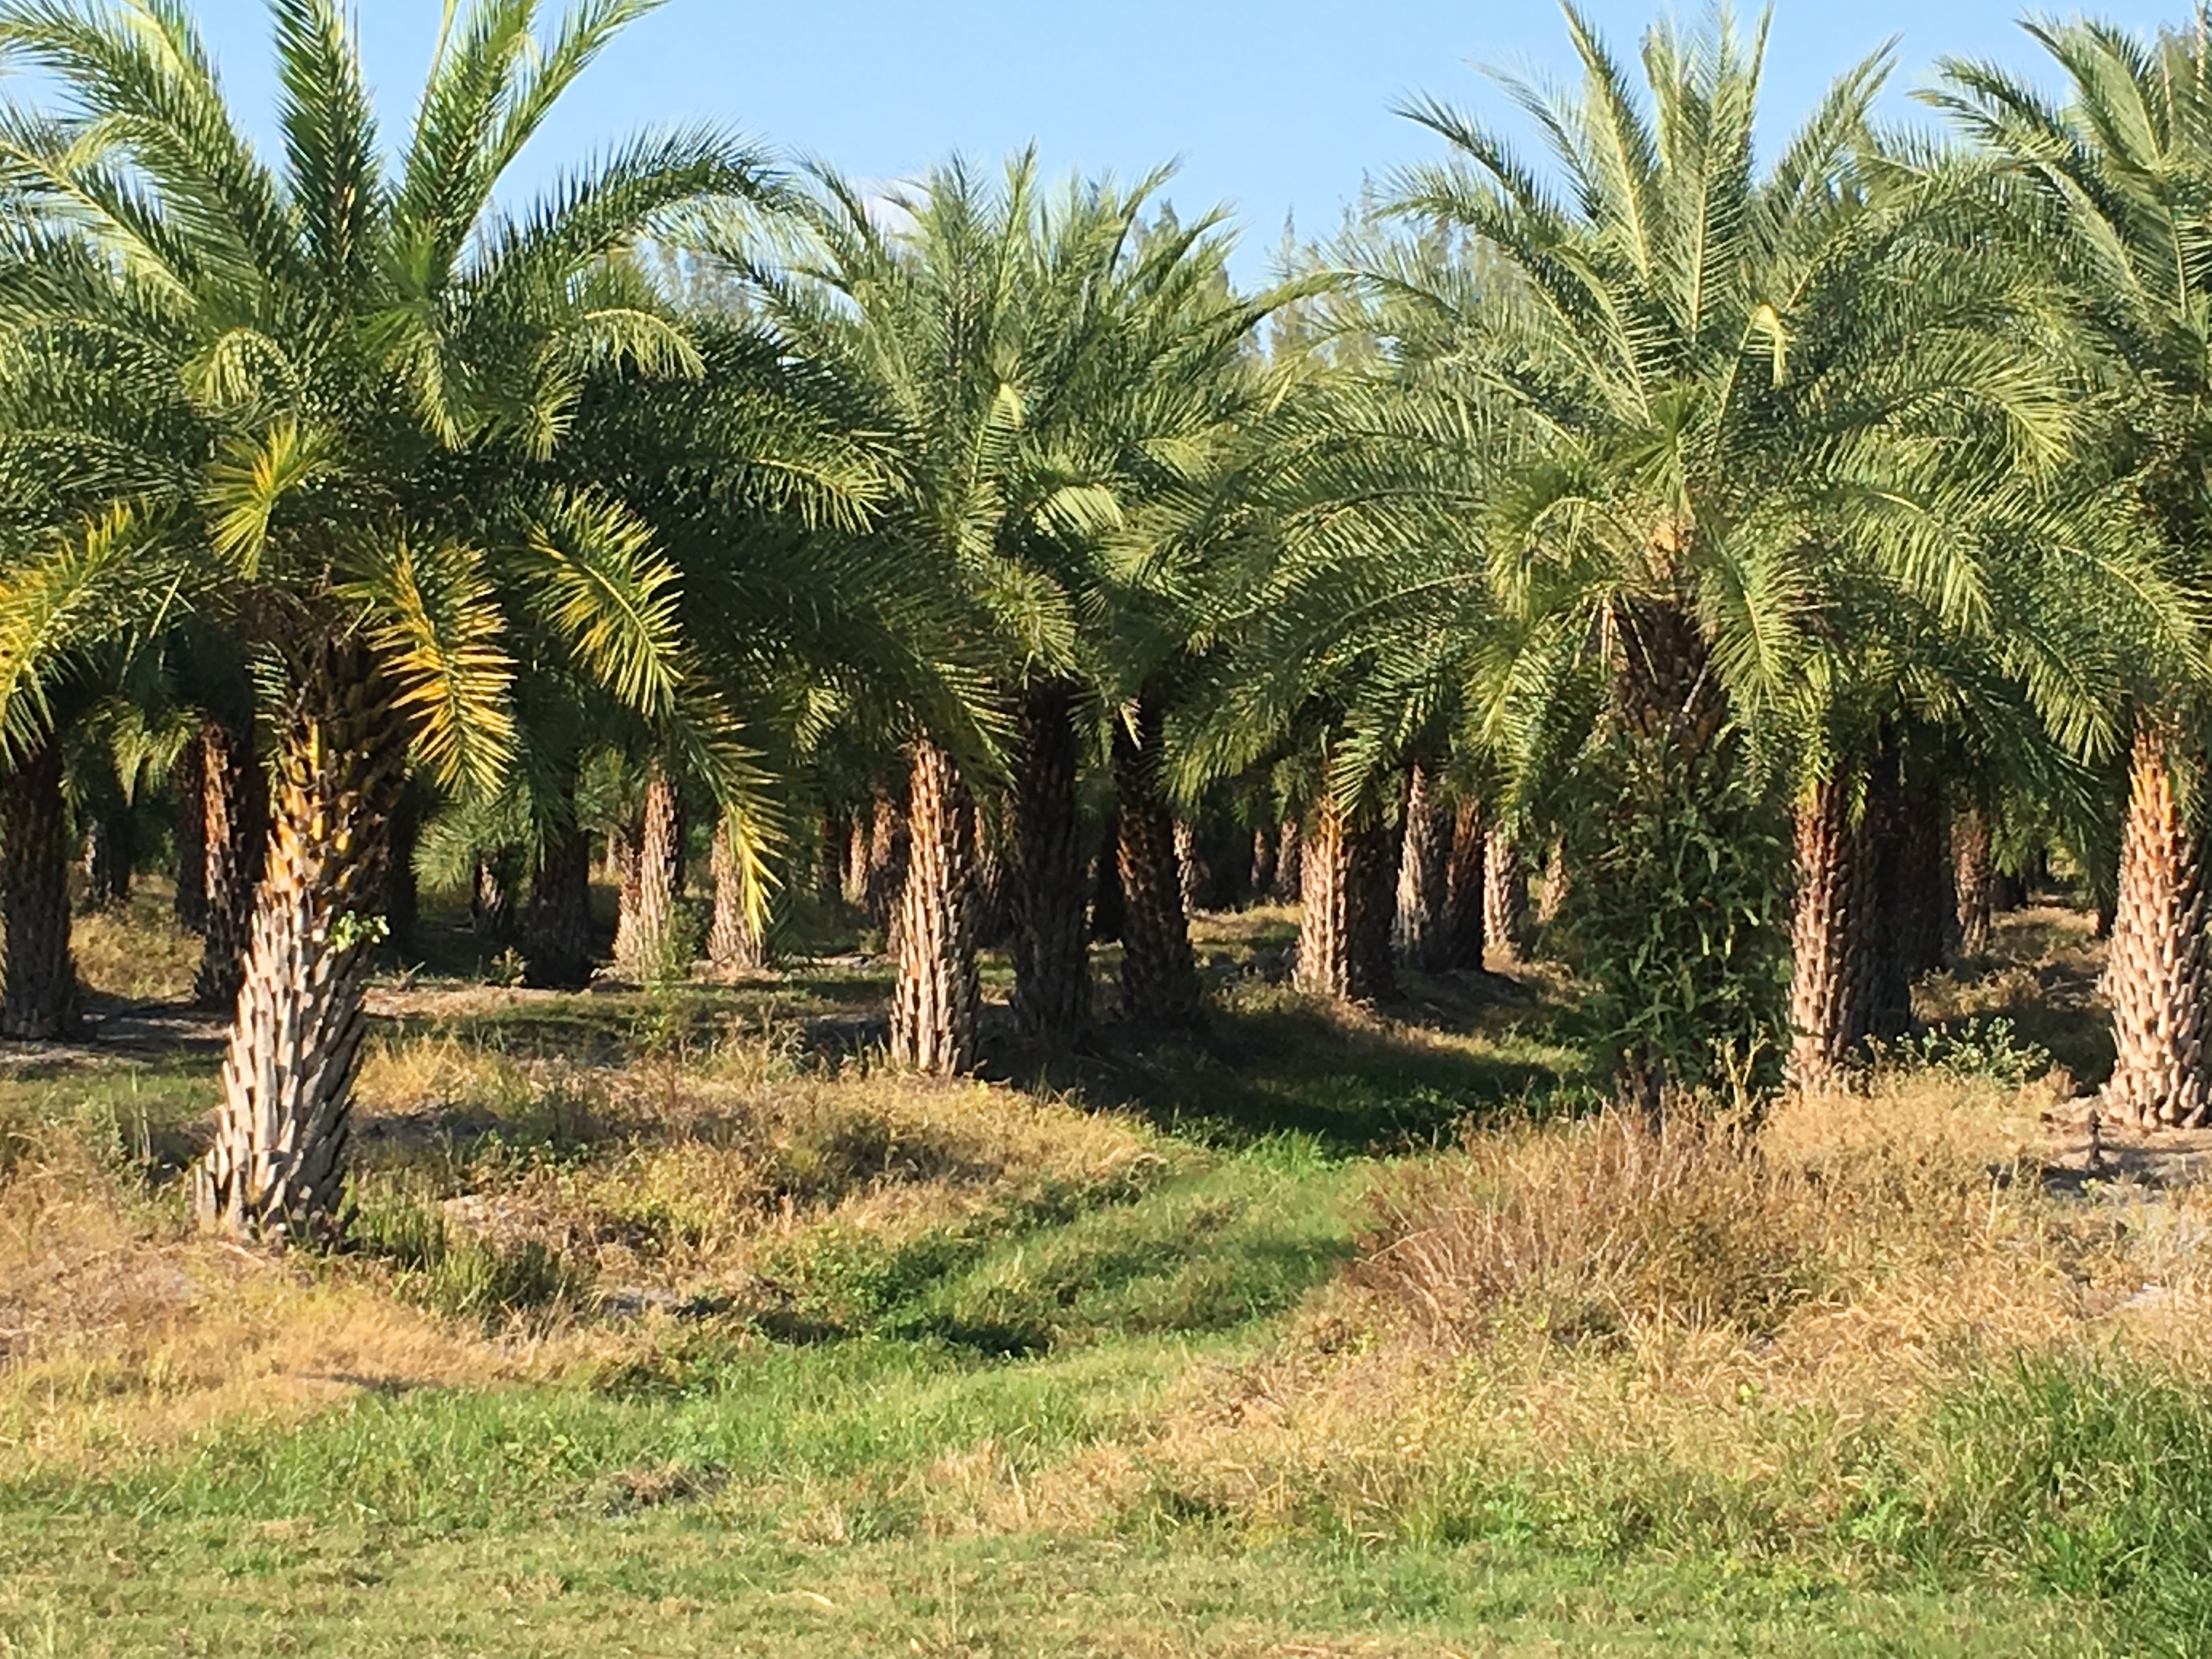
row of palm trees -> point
(1733, 521)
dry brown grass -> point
(120, 1331)
(136, 952)
(1625, 1331)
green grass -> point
(950, 1437)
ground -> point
(674, 1324)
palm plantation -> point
(1522, 819)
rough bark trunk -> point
(1466, 885)
(993, 898)
(829, 865)
(1159, 977)
(1831, 920)
(558, 939)
(647, 935)
(1109, 903)
(1555, 892)
(734, 944)
(234, 833)
(1191, 873)
(888, 854)
(935, 1001)
(402, 890)
(1504, 895)
(1886, 982)
(111, 848)
(277, 1166)
(1928, 905)
(37, 977)
(188, 777)
(1263, 866)
(2154, 977)
(1052, 946)
(1973, 879)
(1344, 911)
(1423, 924)
(491, 898)
(856, 859)
(1289, 886)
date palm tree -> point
(1709, 375)
(2119, 172)
(362, 371)
(1050, 364)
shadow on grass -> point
(1269, 1062)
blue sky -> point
(1270, 107)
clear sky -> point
(1270, 107)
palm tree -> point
(2117, 174)
(1051, 366)
(1707, 376)
(365, 373)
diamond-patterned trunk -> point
(1422, 928)
(646, 933)
(1505, 894)
(885, 874)
(1466, 885)
(2155, 976)
(1345, 909)
(734, 944)
(188, 777)
(1051, 931)
(935, 999)
(1831, 928)
(235, 834)
(277, 1165)
(558, 938)
(1973, 878)
(37, 973)
(1159, 976)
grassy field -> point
(674, 1326)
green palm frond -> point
(598, 580)
(433, 616)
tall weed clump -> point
(1593, 1230)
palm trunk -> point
(37, 977)
(1159, 978)
(1973, 879)
(2154, 978)
(1929, 904)
(830, 864)
(856, 859)
(558, 939)
(1109, 905)
(1886, 984)
(234, 833)
(1505, 894)
(403, 888)
(110, 850)
(277, 1166)
(1263, 866)
(1290, 863)
(889, 839)
(491, 897)
(1191, 872)
(1831, 922)
(936, 1001)
(734, 943)
(1344, 911)
(1422, 928)
(1554, 890)
(1466, 890)
(1052, 947)
(188, 777)
(647, 941)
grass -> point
(674, 1325)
